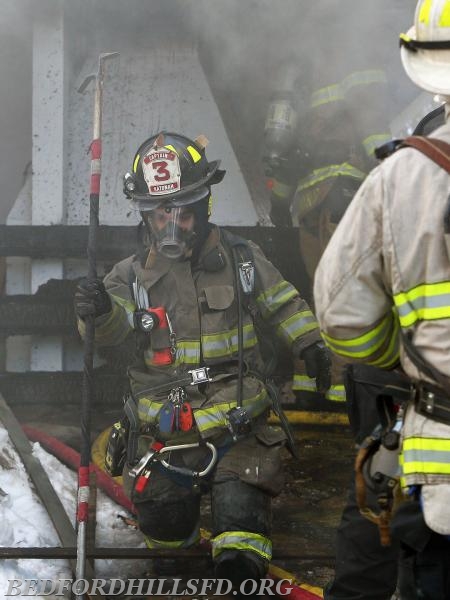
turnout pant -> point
(364, 569)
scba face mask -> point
(172, 230)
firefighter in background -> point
(318, 152)
(198, 299)
(383, 285)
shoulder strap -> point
(437, 150)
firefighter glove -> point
(91, 299)
(280, 213)
(317, 359)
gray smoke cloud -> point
(244, 47)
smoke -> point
(245, 48)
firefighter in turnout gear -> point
(382, 295)
(317, 152)
(319, 148)
(199, 301)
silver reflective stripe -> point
(298, 324)
(242, 540)
(426, 456)
(148, 409)
(274, 298)
(225, 344)
(216, 415)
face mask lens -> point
(172, 229)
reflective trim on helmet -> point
(444, 19)
(425, 10)
(196, 156)
(136, 161)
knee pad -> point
(239, 565)
(168, 519)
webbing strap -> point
(437, 150)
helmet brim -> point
(429, 69)
(189, 194)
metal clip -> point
(247, 276)
(177, 395)
(184, 470)
(200, 375)
(145, 460)
(172, 337)
(429, 402)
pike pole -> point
(88, 382)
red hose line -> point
(71, 458)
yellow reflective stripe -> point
(336, 393)
(363, 345)
(431, 468)
(112, 331)
(135, 164)
(358, 78)
(196, 156)
(128, 305)
(337, 91)
(148, 409)
(426, 443)
(297, 325)
(303, 383)
(428, 301)
(425, 10)
(216, 415)
(326, 95)
(226, 343)
(444, 20)
(318, 175)
(281, 190)
(371, 142)
(426, 455)
(170, 147)
(271, 300)
(392, 353)
(242, 540)
(187, 353)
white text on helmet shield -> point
(161, 169)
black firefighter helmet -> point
(170, 170)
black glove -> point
(317, 359)
(91, 298)
(280, 214)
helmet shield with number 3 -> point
(171, 170)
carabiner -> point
(186, 471)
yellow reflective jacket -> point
(388, 266)
(203, 312)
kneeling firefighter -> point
(198, 298)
